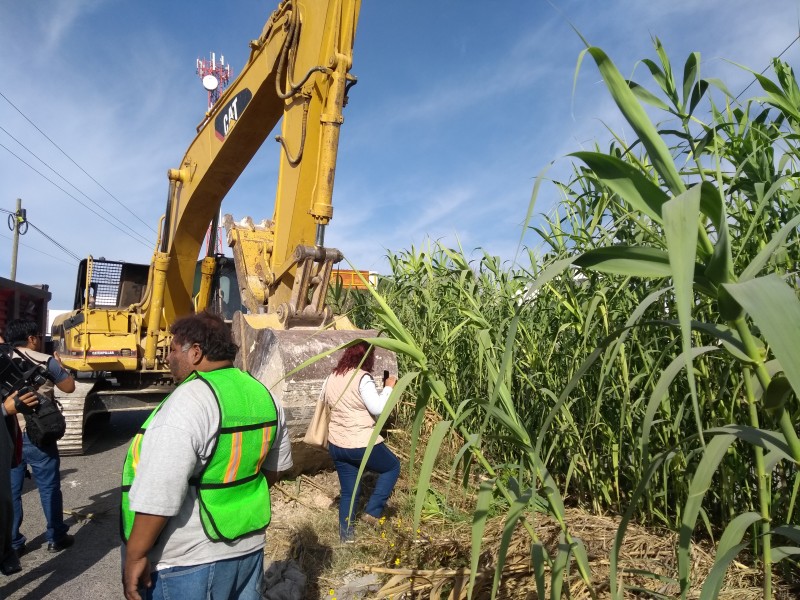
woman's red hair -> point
(354, 358)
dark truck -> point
(21, 301)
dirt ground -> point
(302, 544)
(306, 561)
(303, 556)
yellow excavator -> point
(117, 337)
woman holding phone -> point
(355, 403)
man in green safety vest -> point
(195, 495)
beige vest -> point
(351, 424)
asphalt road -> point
(91, 487)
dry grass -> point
(435, 559)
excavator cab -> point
(116, 284)
(104, 331)
(111, 284)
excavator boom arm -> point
(298, 70)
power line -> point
(58, 258)
(47, 237)
(64, 179)
(28, 221)
(76, 164)
(792, 43)
(73, 197)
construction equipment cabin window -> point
(112, 283)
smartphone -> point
(385, 376)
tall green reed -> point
(644, 360)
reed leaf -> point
(631, 261)
(540, 560)
(774, 307)
(720, 266)
(691, 68)
(515, 513)
(633, 186)
(423, 478)
(479, 518)
(713, 453)
(728, 337)
(781, 552)
(680, 228)
(772, 441)
(791, 532)
(560, 568)
(646, 96)
(728, 548)
(637, 118)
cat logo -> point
(230, 113)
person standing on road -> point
(10, 456)
(355, 402)
(44, 461)
(195, 486)
(6, 506)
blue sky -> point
(459, 105)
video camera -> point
(20, 374)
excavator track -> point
(73, 406)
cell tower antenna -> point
(214, 75)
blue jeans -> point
(347, 462)
(45, 465)
(235, 578)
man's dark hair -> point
(19, 330)
(207, 330)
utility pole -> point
(19, 225)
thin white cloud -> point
(56, 20)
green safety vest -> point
(232, 491)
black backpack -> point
(46, 424)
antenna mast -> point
(215, 76)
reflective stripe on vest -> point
(232, 493)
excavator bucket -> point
(270, 355)
(289, 322)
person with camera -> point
(355, 405)
(43, 460)
(10, 455)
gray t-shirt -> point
(176, 446)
